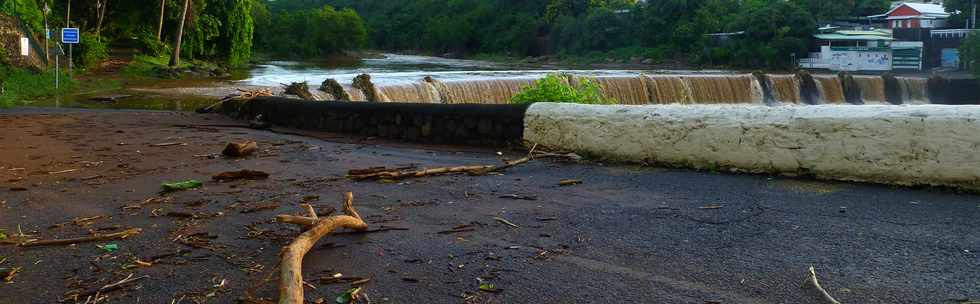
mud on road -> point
(626, 234)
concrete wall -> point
(493, 125)
(904, 145)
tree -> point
(175, 57)
(970, 53)
(240, 30)
(163, 6)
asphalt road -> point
(627, 234)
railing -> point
(814, 63)
(951, 34)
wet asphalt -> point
(627, 234)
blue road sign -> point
(69, 35)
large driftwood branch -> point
(291, 265)
(372, 174)
(811, 281)
(95, 238)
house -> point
(914, 16)
(851, 50)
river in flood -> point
(395, 69)
(399, 78)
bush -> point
(558, 88)
(149, 45)
(21, 84)
(93, 51)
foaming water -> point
(831, 90)
(872, 89)
(785, 88)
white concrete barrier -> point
(905, 145)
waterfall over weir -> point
(779, 89)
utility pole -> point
(68, 24)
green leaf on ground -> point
(488, 287)
(109, 247)
(348, 296)
(182, 185)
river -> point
(399, 78)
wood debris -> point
(241, 174)
(811, 282)
(378, 173)
(242, 149)
(95, 238)
(291, 264)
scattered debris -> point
(182, 185)
(242, 95)
(242, 174)
(347, 297)
(9, 276)
(242, 149)
(168, 144)
(124, 283)
(546, 219)
(95, 238)
(261, 207)
(339, 279)
(520, 197)
(489, 287)
(458, 229)
(569, 182)
(711, 207)
(375, 174)
(291, 276)
(17, 189)
(811, 281)
(63, 171)
(299, 89)
(332, 87)
(110, 248)
(506, 222)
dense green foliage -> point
(616, 29)
(20, 85)
(310, 33)
(240, 32)
(560, 88)
(970, 53)
(93, 51)
(27, 10)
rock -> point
(648, 61)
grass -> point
(20, 85)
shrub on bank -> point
(20, 85)
(560, 88)
(93, 50)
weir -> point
(780, 89)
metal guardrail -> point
(954, 33)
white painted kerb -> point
(905, 145)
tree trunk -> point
(163, 5)
(101, 16)
(175, 59)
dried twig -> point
(376, 174)
(95, 238)
(811, 281)
(506, 222)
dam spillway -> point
(762, 89)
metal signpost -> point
(57, 52)
(70, 36)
